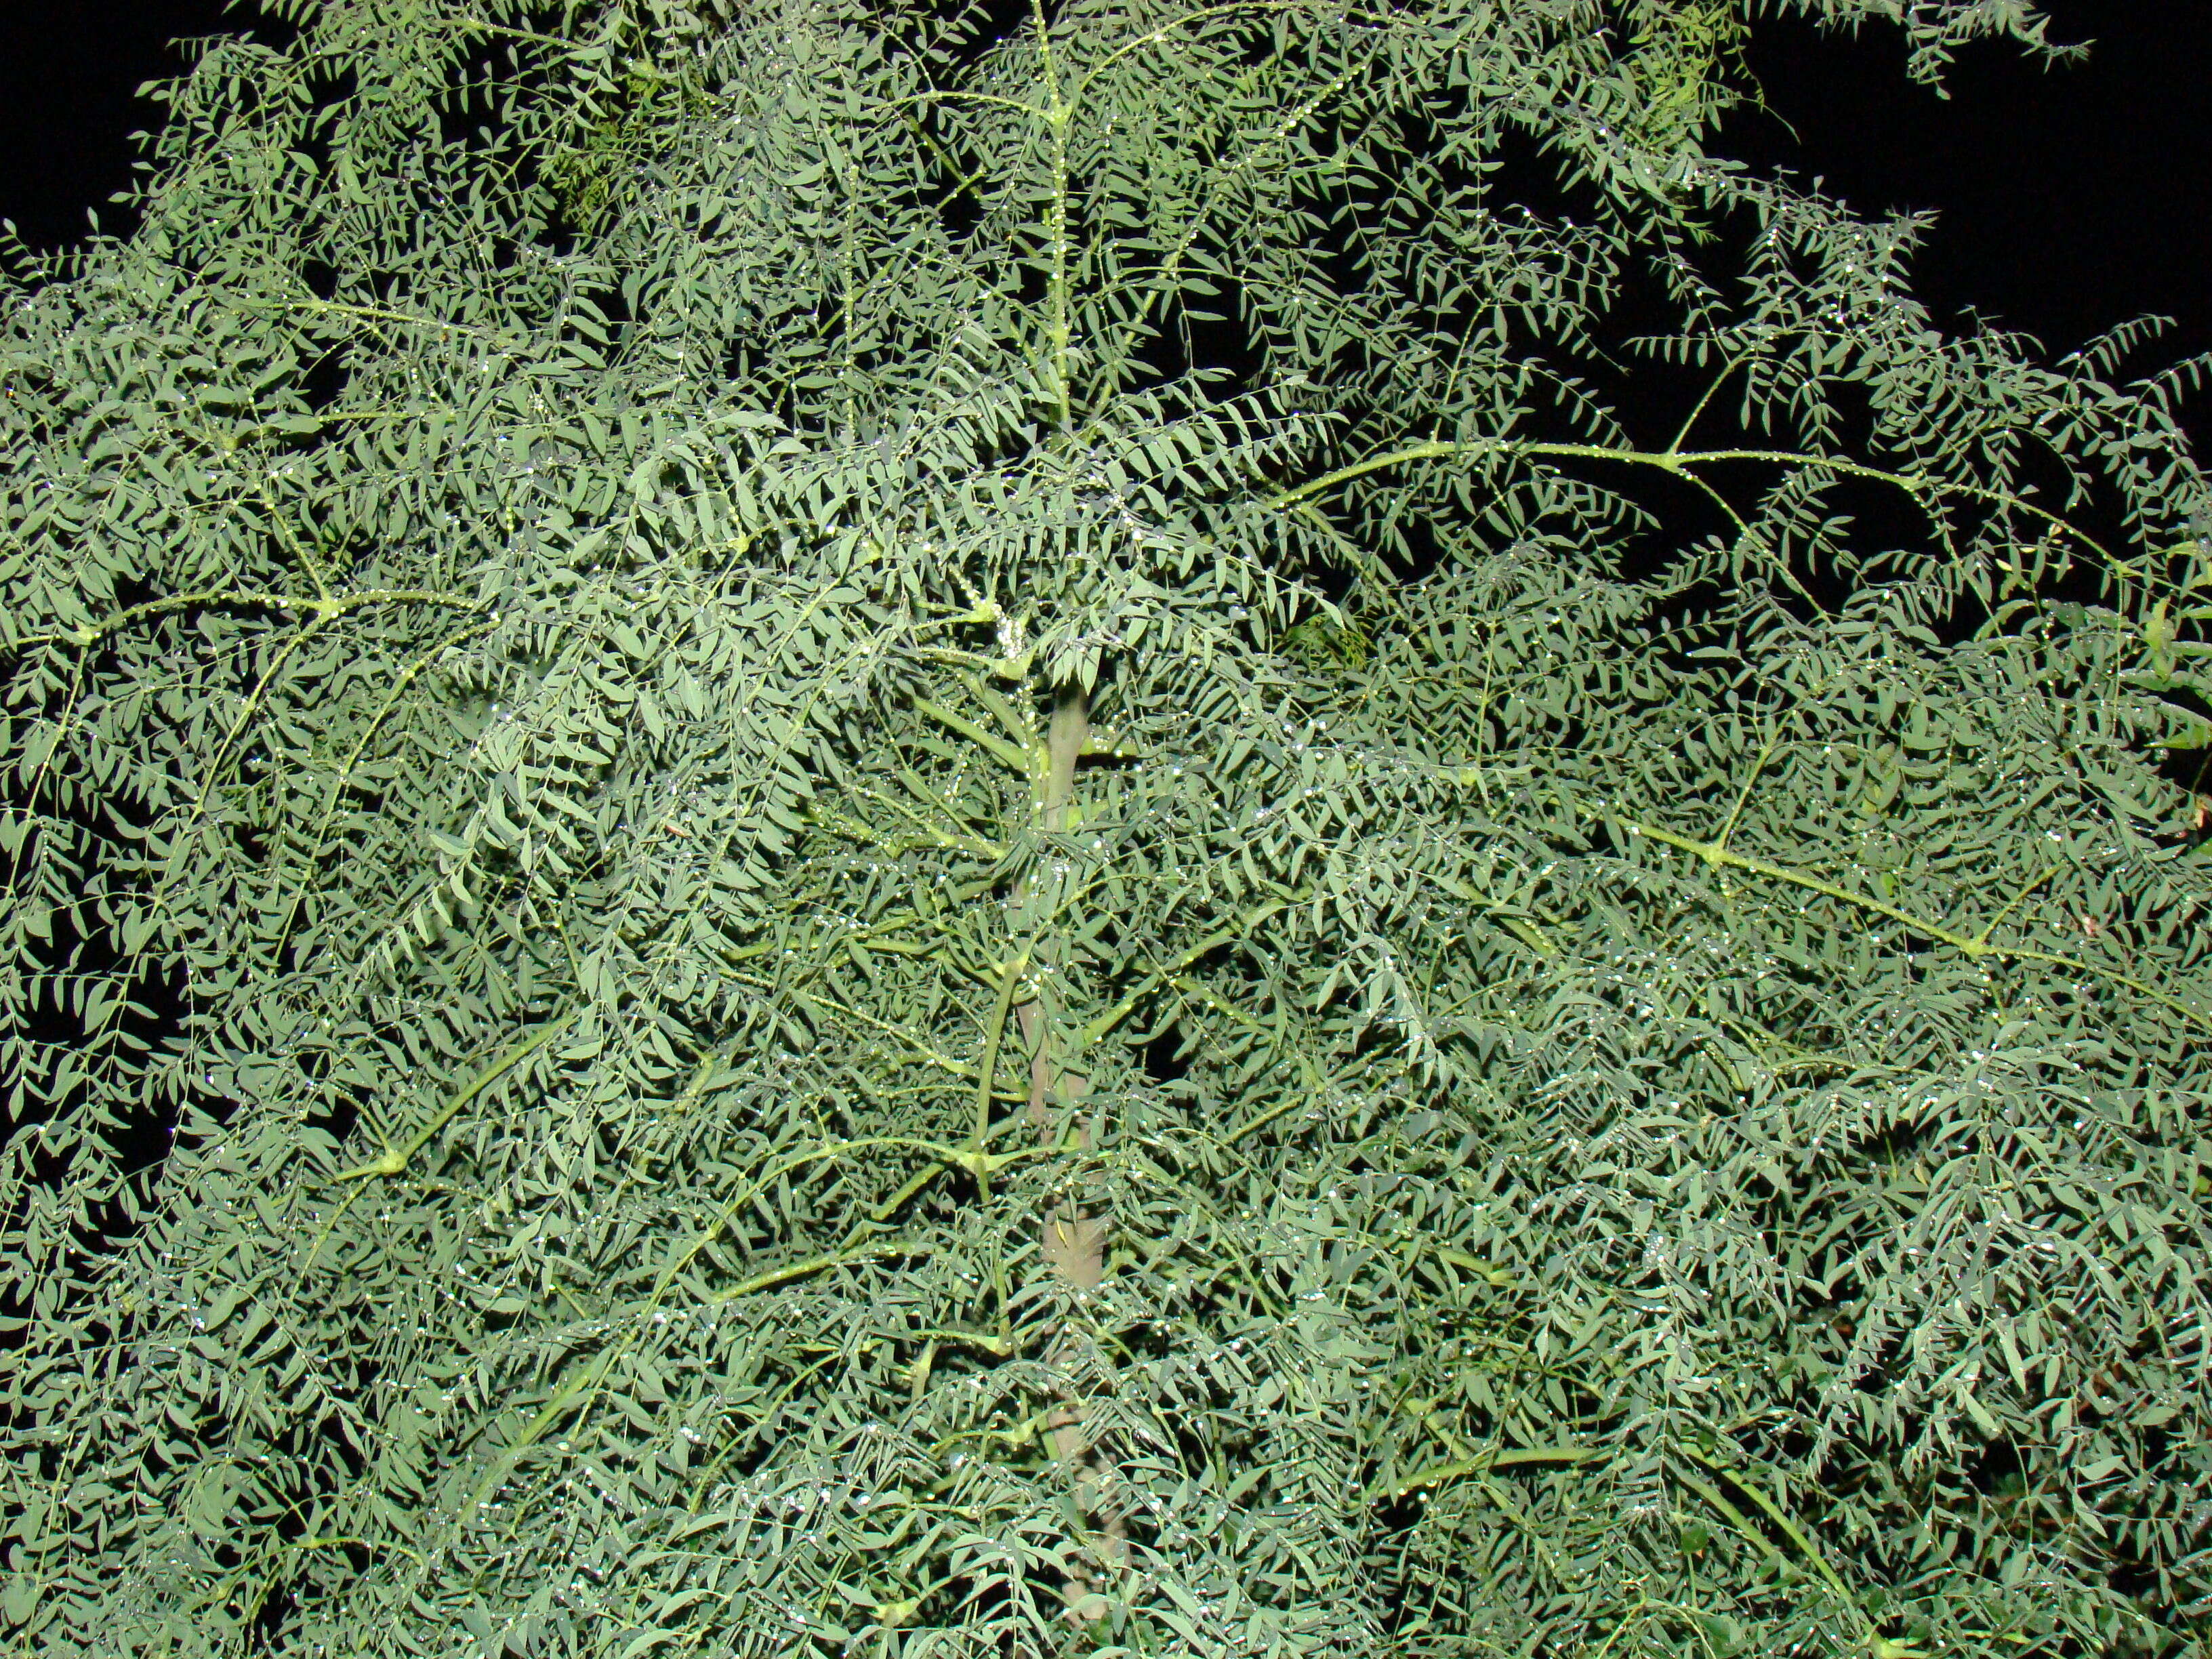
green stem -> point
(987, 1069)
(395, 1159)
(1165, 972)
(1774, 1513)
(1699, 408)
(1016, 760)
(321, 607)
(1727, 829)
(1973, 947)
(1437, 1474)
(776, 1276)
(1678, 462)
(1057, 116)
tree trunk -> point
(1072, 1245)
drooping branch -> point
(1973, 946)
(1678, 463)
(321, 607)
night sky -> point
(2071, 199)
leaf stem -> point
(1481, 1463)
(321, 607)
(987, 1069)
(1677, 462)
(1973, 946)
(395, 1161)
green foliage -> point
(584, 179)
(1013, 881)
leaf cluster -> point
(674, 680)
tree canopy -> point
(1234, 829)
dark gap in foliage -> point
(325, 379)
(1530, 183)
(328, 91)
(146, 1018)
(1652, 395)
(94, 100)
(2025, 235)
(1166, 1056)
(326, 94)
(1399, 1514)
(959, 205)
(2190, 771)
(469, 116)
(1410, 544)
(969, 35)
(560, 234)
(268, 1627)
(1997, 1466)
(1211, 338)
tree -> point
(840, 833)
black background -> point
(2071, 198)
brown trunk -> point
(1072, 1245)
(1049, 1087)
